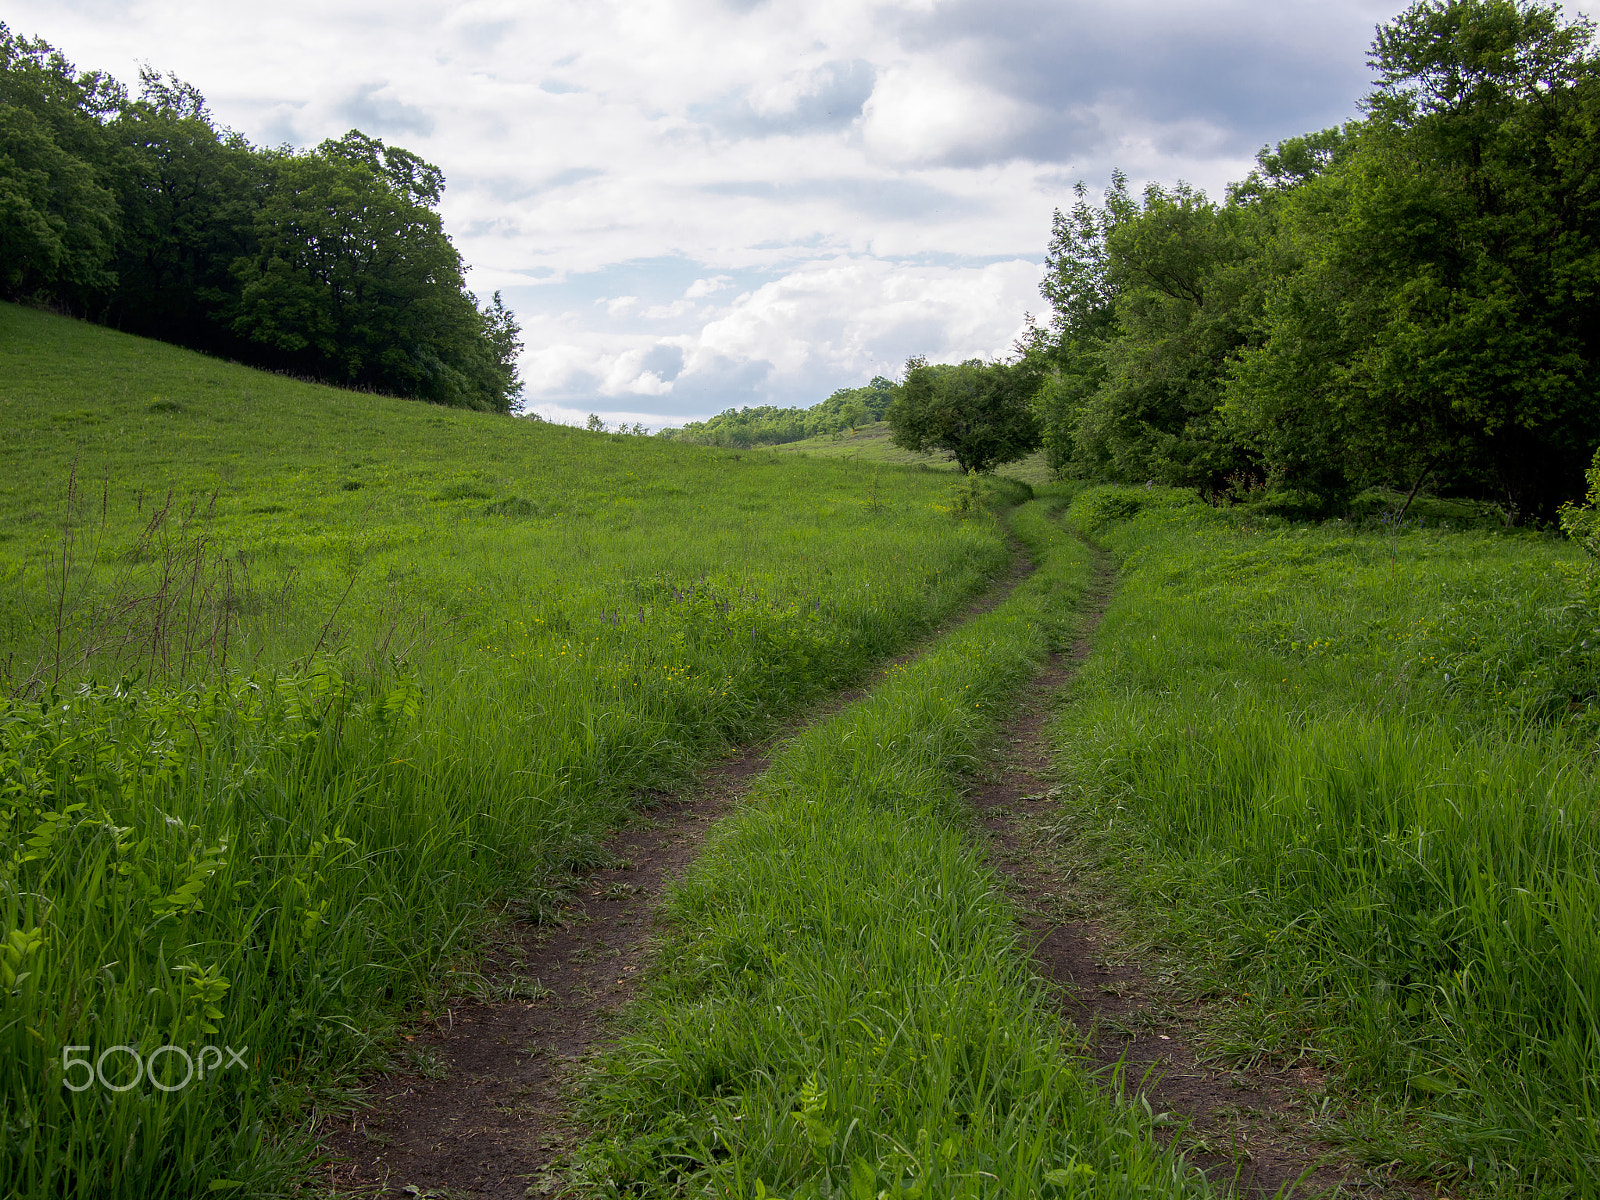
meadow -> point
(305, 690)
(306, 686)
(1344, 779)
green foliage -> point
(146, 215)
(366, 719)
(980, 414)
(1356, 774)
(841, 1009)
(1441, 318)
(1407, 300)
(57, 217)
(353, 280)
(845, 410)
(1581, 523)
(1186, 277)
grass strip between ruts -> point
(840, 1008)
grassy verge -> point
(1349, 780)
(841, 1009)
(272, 751)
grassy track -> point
(305, 686)
(841, 1010)
(1346, 777)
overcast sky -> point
(699, 204)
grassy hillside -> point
(304, 683)
(872, 444)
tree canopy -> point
(143, 214)
(1410, 297)
(980, 414)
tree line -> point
(1410, 300)
(143, 214)
(768, 425)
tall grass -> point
(1355, 772)
(841, 1008)
(276, 748)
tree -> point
(355, 280)
(58, 220)
(979, 413)
(1444, 316)
(145, 215)
(189, 195)
(1152, 298)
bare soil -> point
(483, 1110)
(1248, 1130)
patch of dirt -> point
(1246, 1129)
(482, 1110)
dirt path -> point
(1243, 1126)
(483, 1112)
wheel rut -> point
(483, 1109)
(1246, 1129)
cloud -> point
(707, 287)
(794, 339)
(826, 97)
(927, 111)
(368, 109)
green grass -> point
(1350, 780)
(307, 686)
(841, 1008)
(872, 444)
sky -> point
(693, 205)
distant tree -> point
(981, 414)
(765, 425)
(877, 396)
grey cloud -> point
(510, 188)
(374, 113)
(482, 35)
(842, 88)
(724, 382)
(569, 177)
(1255, 73)
(279, 130)
(665, 361)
